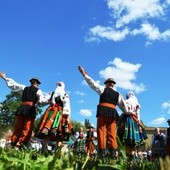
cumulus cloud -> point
(158, 121)
(166, 106)
(80, 93)
(124, 74)
(127, 11)
(134, 18)
(152, 32)
(100, 32)
(86, 112)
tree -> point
(8, 109)
(77, 125)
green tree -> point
(77, 125)
(8, 109)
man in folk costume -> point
(55, 123)
(107, 115)
(90, 137)
(26, 113)
(133, 132)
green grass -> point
(11, 159)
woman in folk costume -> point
(80, 138)
(131, 131)
(55, 123)
(158, 144)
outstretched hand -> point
(3, 75)
(82, 71)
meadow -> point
(12, 159)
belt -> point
(28, 103)
(107, 105)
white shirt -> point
(100, 89)
(13, 85)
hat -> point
(168, 120)
(35, 80)
(111, 80)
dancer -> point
(158, 144)
(91, 136)
(55, 123)
(107, 115)
(26, 113)
(130, 129)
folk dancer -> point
(107, 115)
(158, 144)
(90, 137)
(26, 113)
(55, 124)
(130, 129)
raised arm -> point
(95, 86)
(13, 85)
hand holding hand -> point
(82, 71)
(3, 75)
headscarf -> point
(60, 92)
(132, 103)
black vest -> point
(108, 96)
(28, 95)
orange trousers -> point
(106, 132)
(89, 148)
(22, 129)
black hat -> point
(110, 80)
(168, 120)
(35, 80)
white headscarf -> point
(60, 91)
(132, 103)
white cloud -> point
(134, 18)
(86, 112)
(100, 32)
(166, 106)
(80, 101)
(152, 32)
(80, 93)
(168, 2)
(124, 74)
(158, 121)
(126, 11)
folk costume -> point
(55, 122)
(131, 132)
(89, 143)
(168, 138)
(79, 144)
(158, 144)
(107, 115)
(26, 113)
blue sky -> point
(124, 39)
